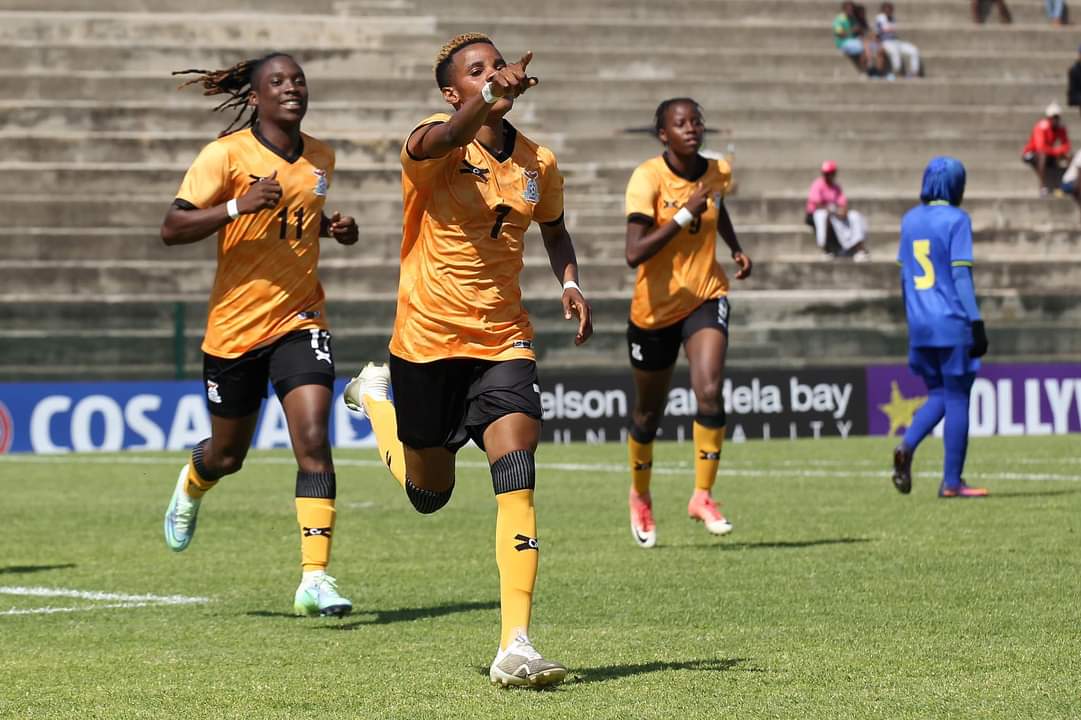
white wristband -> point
(487, 94)
(571, 284)
(232, 209)
(684, 217)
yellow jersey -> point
(685, 272)
(266, 283)
(464, 218)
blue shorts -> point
(943, 365)
(851, 47)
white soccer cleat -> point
(318, 595)
(373, 381)
(520, 665)
(181, 515)
(704, 509)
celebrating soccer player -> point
(261, 188)
(675, 209)
(945, 332)
(462, 362)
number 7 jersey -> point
(266, 283)
(464, 219)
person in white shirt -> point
(895, 48)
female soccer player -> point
(261, 188)
(462, 363)
(675, 209)
(946, 335)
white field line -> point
(115, 600)
(97, 595)
(729, 469)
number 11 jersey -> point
(266, 284)
(464, 219)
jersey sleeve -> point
(724, 182)
(206, 183)
(421, 170)
(961, 242)
(642, 194)
(550, 207)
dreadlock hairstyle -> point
(446, 54)
(662, 110)
(236, 82)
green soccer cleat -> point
(181, 515)
(318, 595)
(520, 665)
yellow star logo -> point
(900, 409)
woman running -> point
(462, 363)
(675, 209)
(261, 187)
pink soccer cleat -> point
(962, 491)
(702, 508)
(642, 526)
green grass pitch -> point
(835, 597)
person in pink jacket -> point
(836, 227)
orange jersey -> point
(266, 283)
(465, 215)
(685, 272)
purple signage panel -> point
(1007, 399)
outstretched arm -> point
(433, 141)
(557, 241)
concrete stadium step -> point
(766, 10)
(513, 34)
(996, 210)
(320, 62)
(575, 89)
(71, 150)
(550, 113)
(385, 178)
(383, 243)
(360, 275)
(794, 308)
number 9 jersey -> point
(464, 218)
(935, 238)
(684, 273)
(266, 283)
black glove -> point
(979, 340)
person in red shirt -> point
(1048, 147)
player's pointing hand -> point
(512, 80)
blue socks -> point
(925, 419)
(950, 401)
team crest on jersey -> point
(321, 183)
(532, 189)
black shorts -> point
(446, 403)
(235, 387)
(658, 349)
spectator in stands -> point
(874, 55)
(835, 226)
(1048, 148)
(978, 13)
(1056, 11)
(1073, 91)
(894, 47)
(1070, 185)
(846, 36)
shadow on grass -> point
(605, 673)
(25, 569)
(386, 617)
(996, 495)
(773, 544)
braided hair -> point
(662, 111)
(446, 54)
(237, 82)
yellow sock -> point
(516, 555)
(197, 485)
(385, 426)
(707, 455)
(641, 458)
(316, 519)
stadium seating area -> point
(94, 140)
